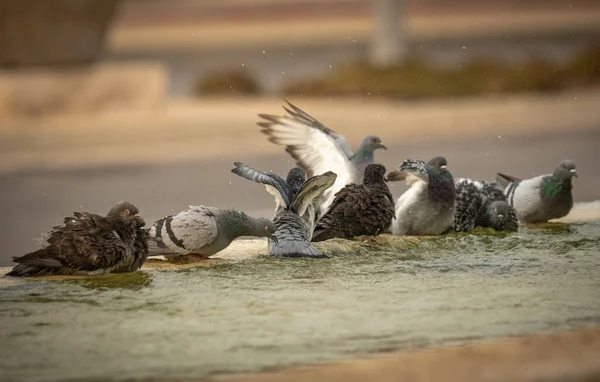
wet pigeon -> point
(482, 204)
(541, 198)
(296, 207)
(318, 149)
(359, 209)
(427, 207)
(89, 244)
(398, 175)
(202, 231)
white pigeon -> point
(318, 149)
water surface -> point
(259, 313)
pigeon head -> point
(374, 174)
(565, 170)
(440, 171)
(371, 143)
(125, 214)
(498, 214)
(296, 178)
(438, 162)
(240, 224)
(264, 228)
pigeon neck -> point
(236, 224)
(556, 186)
(441, 189)
(363, 156)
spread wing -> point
(312, 189)
(415, 171)
(313, 149)
(274, 184)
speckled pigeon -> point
(296, 207)
(482, 204)
(202, 231)
(359, 209)
(90, 244)
(427, 207)
(319, 149)
(542, 198)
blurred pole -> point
(389, 35)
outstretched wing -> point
(415, 171)
(312, 189)
(274, 184)
(302, 116)
(313, 149)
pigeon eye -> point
(127, 212)
(374, 140)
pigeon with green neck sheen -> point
(295, 214)
(319, 149)
(202, 231)
(427, 207)
(543, 197)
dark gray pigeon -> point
(482, 204)
(318, 149)
(296, 207)
(542, 198)
(359, 209)
(202, 231)
(427, 207)
(89, 244)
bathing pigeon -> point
(89, 244)
(541, 198)
(202, 231)
(397, 175)
(481, 204)
(318, 149)
(359, 209)
(427, 207)
(296, 207)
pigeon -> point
(397, 176)
(318, 149)
(482, 204)
(90, 244)
(359, 209)
(296, 207)
(202, 231)
(542, 198)
(427, 207)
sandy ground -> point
(567, 356)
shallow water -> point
(260, 313)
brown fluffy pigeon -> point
(359, 209)
(90, 244)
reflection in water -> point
(228, 316)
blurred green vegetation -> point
(233, 82)
(415, 79)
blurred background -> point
(152, 100)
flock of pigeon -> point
(345, 195)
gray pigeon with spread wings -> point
(542, 198)
(90, 244)
(296, 207)
(427, 207)
(482, 204)
(202, 231)
(318, 149)
(359, 209)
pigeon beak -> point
(574, 172)
(381, 145)
(444, 167)
(273, 238)
(501, 216)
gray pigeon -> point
(318, 149)
(482, 204)
(359, 209)
(89, 244)
(296, 207)
(541, 198)
(427, 207)
(202, 231)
